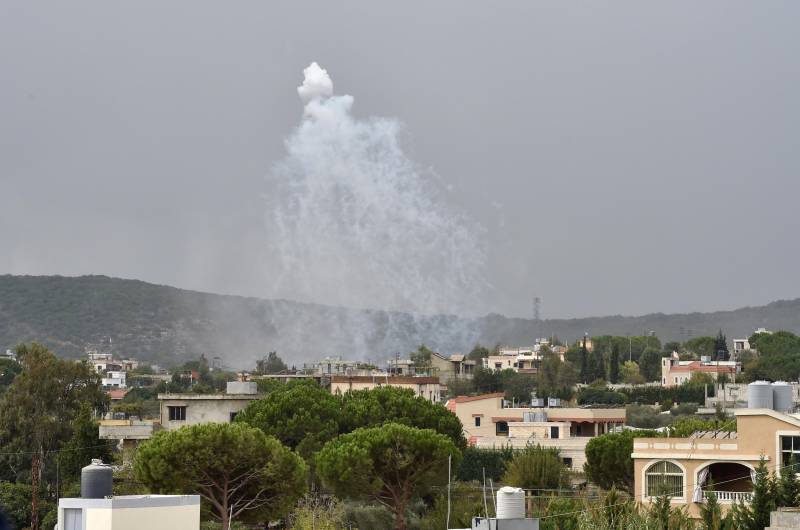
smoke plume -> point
(353, 222)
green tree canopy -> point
(478, 352)
(421, 357)
(301, 415)
(391, 465)
(386, 404)
(536, 468)
(236, 468)
(608, 459)
(701, 346)
(271, 364)
(650, 364)
(38, 411)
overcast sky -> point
(622, 157)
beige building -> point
(675, 372)
(130, 512)
(489, 423)
(426, 387)
(456, 366)
(686, 466)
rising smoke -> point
(352, 222)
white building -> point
(130, 512)
(114, 379)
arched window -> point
(664, 478)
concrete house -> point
(675, 372)
(179, 410)
(686, 466)
(425, 387)
(489, 422)
(455, 366)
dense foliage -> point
(608, 459)
(391, 465)
(238, 470)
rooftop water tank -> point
(782, 396)
(96, 480)
(759, 395)
(241, 387)
(510, 503)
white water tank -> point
(510, 503)
(781, 396)
(759, 395)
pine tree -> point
(613, 365)
(710, 512)
(788, 494)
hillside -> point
(164, 324)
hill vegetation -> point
(167, 325)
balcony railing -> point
(730, 496)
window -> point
(73, 518)
(177, 413)
(477, 421)
(790, 445)
(233, 416)
(553, 432)
(501, 428)
(567, 462)
(664, 477)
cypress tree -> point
(763, 496)
(788, 486)
(710, 512)
(584, 362)
(721, 347)
(613, 365)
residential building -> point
(130, 512)
(114, 379)
(128, 433)
(178, 410)
(10, 355)
(426, 387)
(489, 421)
(675, 372)
(687, 466)
(740, 345)
(455, 366)
(401, 367)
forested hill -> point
(164, 324)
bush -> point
(466, 502)
(600, 396)
(476, 460)
(650, 395)
(645, 417)
(536, 468)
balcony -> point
(731, 496)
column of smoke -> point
(352, 222)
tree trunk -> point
(35, 465)
(399, 519)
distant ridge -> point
(164, 324)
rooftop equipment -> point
(782, 396)
(759, 395)
(96, 480)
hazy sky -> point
(622, 157)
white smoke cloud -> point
(316, 84)
(353, 222)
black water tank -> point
(96, 480)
